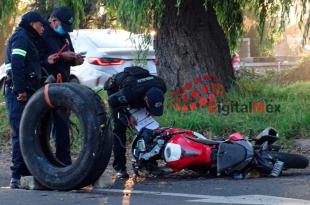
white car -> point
(2, 76)
(107, 52)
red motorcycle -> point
(168, 150)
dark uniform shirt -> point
(128, 88)
(52, 43)
(22, 62)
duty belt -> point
(8, 71)
(8, 68)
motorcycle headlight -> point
(172, 152)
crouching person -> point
(132, 88)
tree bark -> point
(9, 26)
(192, 44)
(2, 48)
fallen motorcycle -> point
(169, 150)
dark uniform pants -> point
(119, 144)
(61, 134)
(15, 110)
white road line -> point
(253, 199)
(198, 198)
(243, 199)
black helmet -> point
(155, 101)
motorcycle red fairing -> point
(186, 149)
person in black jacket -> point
(22, 65)
(57, 43)
(133, 88)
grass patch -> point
(4, 123)
(293, 120)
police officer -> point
(133, 88)
(57, 43)
(22, 64)
(57, 40)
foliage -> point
(7, 8)
(77, 6)
(275, 14)
(138, 16)
(81, 9)
(230, 16)
(300, 73)
(143, 15)
(141, 42)
(263, 44)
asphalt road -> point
(292, 188)
(184, 188)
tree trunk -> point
(2, 48)
(192, 44)
(9, 26)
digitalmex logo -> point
(202, 93)
(198, 94)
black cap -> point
(65, 16)
(155, 101)
(33, 16)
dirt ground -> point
(5, 163)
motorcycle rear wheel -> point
(295, 161)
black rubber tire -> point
(44, 132)
(44, 169)
(92, 99)
(105, 131)
(295, 161)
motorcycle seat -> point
(205, 141)
(231, 157)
